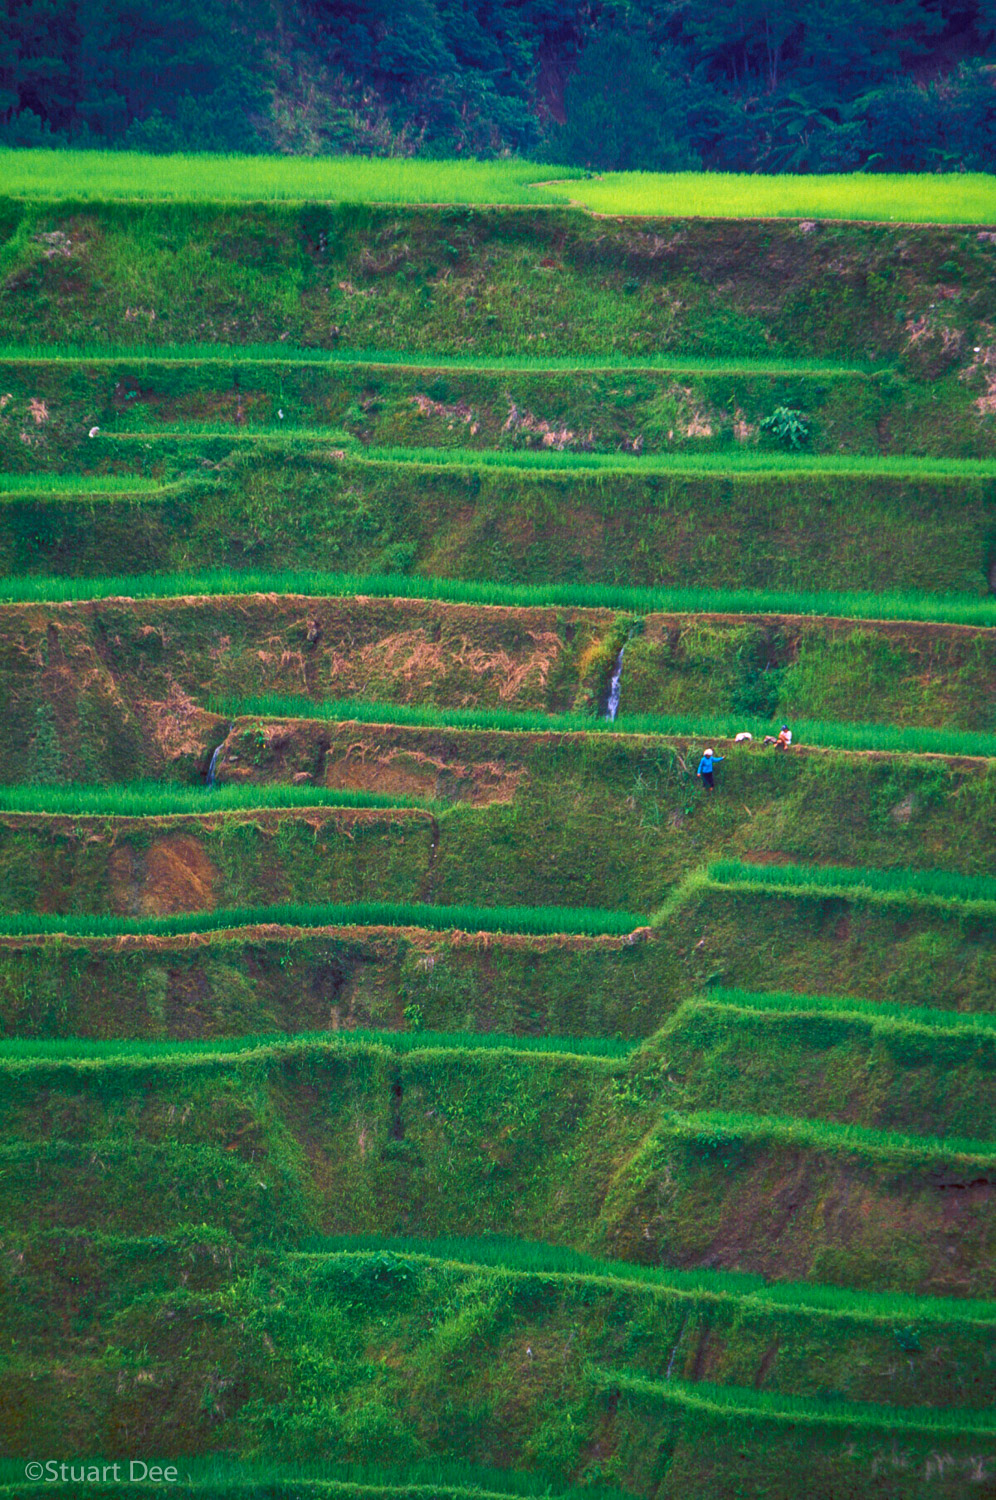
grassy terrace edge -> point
(830, 736)
(741, 465)
(876, 1014)
(530, 920)
(954, 609)
(154, 799)
(428, 1480)
(894, 1151)
(284, 354)
(761, 1405)
(944, 884)
(76, 1052)
(747, 1288)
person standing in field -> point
(709, 759)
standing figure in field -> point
(709, 759)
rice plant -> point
(835, 736)
(79, 484)
(153, 799)
(734, 463)
(751, 1405)
(106, 176)
(428, 1479)
(946, 884)
(712, 1131)
(938, 608)
(94, 176)
(532, 1258)
(533, 920)
(229, 355)
(877, 1012)
(15, 1049)
(910, 197)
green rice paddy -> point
(733, 463)
(75, 1050)
(755, 1406)
(880, 738)
(933, 608)
(101, 176)
(945, 884)
(87, 486)
(239, 355)
(535, 920)
(150, 799)
(877, 1013)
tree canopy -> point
(816, 85)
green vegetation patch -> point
(950, 609)
(735, 463)
(237, 355)
(533, 1258)
(75, 1050)
(911, 197)
(153, 799)
(536, 920)
(203, 177)
(876, 1013)
(726, 1401)
(83, 485)
(86, 176)
(853, 737)
(946, 885)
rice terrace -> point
(449, 1046)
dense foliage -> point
(608, 84)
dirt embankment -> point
(120, 688)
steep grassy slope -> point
(279, 507)
(117, 689)
(553, 819)
(297, 1067)
(574, 405)
(481, 281)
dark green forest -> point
(747, 85)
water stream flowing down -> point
(615, 687)
(213, 763)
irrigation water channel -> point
(615, 687)
(209, 779)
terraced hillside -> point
(415, 1080)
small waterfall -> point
(209, 779)
(615, 687)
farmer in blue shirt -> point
(705, 767)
